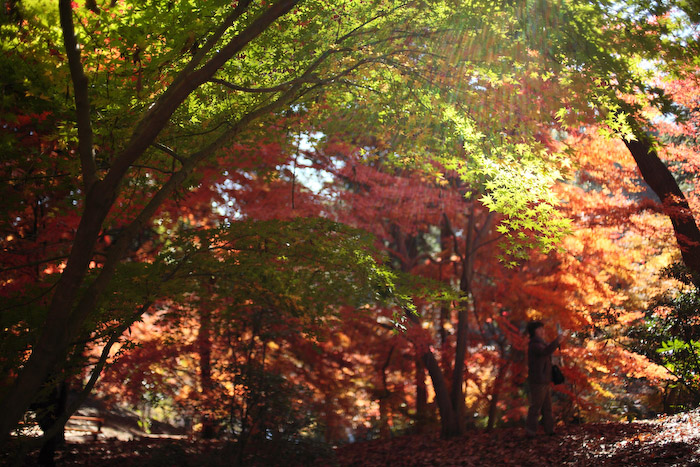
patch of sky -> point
(228, 209)
(302, 166)
(686, 28)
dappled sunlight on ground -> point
(665, 441)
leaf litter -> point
(664, 441)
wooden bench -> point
(81, 424)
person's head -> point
(535, 328)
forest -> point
(313, 232)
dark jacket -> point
(539, 360)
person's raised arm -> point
(542, 349)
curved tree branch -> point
(64, 319)
(169, 151)
(82, 100)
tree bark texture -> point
(675, 205)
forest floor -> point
(664, 441)
(668, 441)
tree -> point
(623, 95)
(425, 229)
(263, 291)
(157, 91)
(669, 336)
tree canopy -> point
(157, 157)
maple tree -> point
(538, 291)
(651, 331)
(153, 101)
(668, 336)
(176, 107)
(668, 333)
(230, 362)
(577, 287)
(226, 336)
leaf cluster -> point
(303, 267)
(670, 332)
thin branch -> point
(61, 421)
(235, 87)
(119, 247)
(451, 233)
(480, 245)
(480, 232)
(198, 133)
(155, 169)
(369, 21)
(358, 86)
(102, 361)
(218, 34)
(305, 77)
(36, 177)
(168, 151)
(159, 114)
(37, 298)
(82, 100)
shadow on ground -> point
(601, 444)
(665, 441)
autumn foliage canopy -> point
(331, 221)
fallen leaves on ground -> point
(664, 441)
(673, 440)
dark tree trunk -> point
(675, 205)
(449, 426)
(457, 389)
(445, 308)
(384, 394)
(48, 413)
(448, 417)
(465, 286)
(61, 326)
(384, 431)
(67, 311)
(421, 397)
(204, 350)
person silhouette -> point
(539, 376)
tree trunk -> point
(204, 350)
(457, 390)
(67, 312)
(49, 412)
(495, 395)
(448, 418)
(384, 431)
(675, 204)
(465, 283)
(384, 394)
(421, 397)
(61, 326)
(446, 252)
